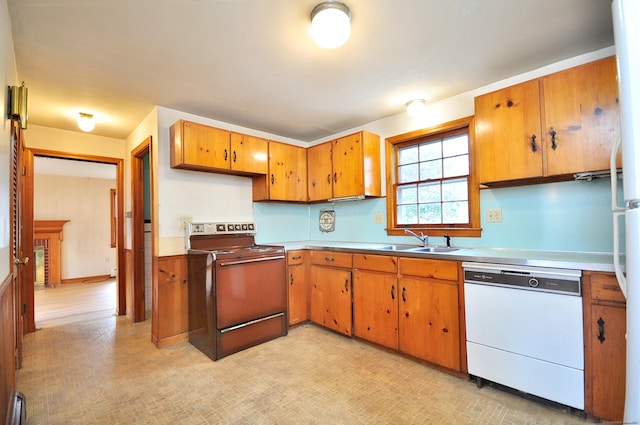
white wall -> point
(75, 142)
(8, 77)
(85, 202)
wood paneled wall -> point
(7, 347)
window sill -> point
(467, 232)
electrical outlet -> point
(494, 215)
(378, 218)
(184, 221)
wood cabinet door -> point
(249, 154)
(608, 343)
(428, 321)
(287, 172)
(205, 146)
(298, 290)
(320, 170)
(348, 166)
(375, 307)
(508, 133)
(331, 298)
(582, 117)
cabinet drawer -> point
(380, 263)
(295, 257)
(436, 269)
(331, 258)
(605, 287)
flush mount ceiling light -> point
(85, 122)
(330, 24)
(416, 107)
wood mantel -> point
(49, 226)
(51, 230)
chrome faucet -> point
(423, 238)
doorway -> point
(28, 193)
(74, 240)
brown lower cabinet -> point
(605, 346)
(298, 293)
(330, 278)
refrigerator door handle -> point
(622, 280)
(614, 174)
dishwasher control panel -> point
(562, 281)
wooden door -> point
(508, 133)
(582, 117)
(348, 174)
(287, 172)
(249, 154)
(375, 307)
(136, 289)
(608, 342)
(331, 298)
(298, 289)
(320, 170)
(428, 321)
(205, 146)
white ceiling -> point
(252, 62)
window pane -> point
(429, 192)
(456, 166)
(408, 214)
(407, 194)
(455, 145)
(454, 190)
(431, 170)
(455, 212)
(430, 150)
(408, 173)
(430, 213)
(408, 155)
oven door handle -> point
(250, 260)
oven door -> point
(249, 289)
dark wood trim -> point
(29, 154)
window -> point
(430, 184)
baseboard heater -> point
(19, 416)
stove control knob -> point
(533, 282)
(220, 227)
(238, 227)
(229, 227)
(244, 227)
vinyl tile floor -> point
(107, 371)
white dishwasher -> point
(524, 329)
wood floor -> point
(74, 302)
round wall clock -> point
(327, 221)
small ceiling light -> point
(85, 122)
(416, 107)
(330, 24)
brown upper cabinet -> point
(345, 167)
(203, 148)
(287, 175)
(559, 124)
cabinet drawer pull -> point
(601, 337)
(296, 257)
(534, 147)
(329, 259)
(553, 139)
(393, 292)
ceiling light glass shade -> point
(85, 122)
(330, 24)
(416, 107)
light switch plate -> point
(494, 215)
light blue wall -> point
(567, 216)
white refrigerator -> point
(626, 25)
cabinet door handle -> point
(329, 178)
(291, 282)
(346, 285)
(601, 337)
(404, 294)
(393, 292)
(534, 147)
(335, 177)
(554, 145)
(234, 156)
(273, 179)
(226, 154)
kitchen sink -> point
(398, 247)
(434, 249)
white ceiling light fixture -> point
(85, 122)
(330, 24)
(416, 107)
